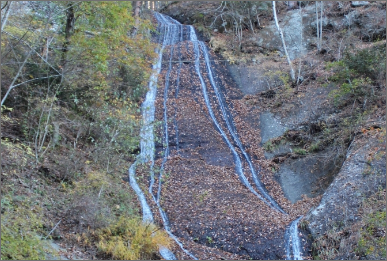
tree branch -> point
(53, 229)
(32, 49)
(15, 78)
(13, 86)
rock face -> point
(359, 3)
(369, 25)
(361, 175)
(270, 127)
(308, 175)
(189, 12)
(295, 39)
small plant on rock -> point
(315, 146)
(300, 151)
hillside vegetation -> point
(73, 76)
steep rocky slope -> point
(317, 148)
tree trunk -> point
(301, 42)
(69, 30)
(137, 5)
(321, 20)
(319, 24)
(292, 74)
(7, 10)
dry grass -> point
(130, 239)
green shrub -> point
(372, 241)
(21, 225)
(268, 146)
(199, 17)
(370, 63)
(98, 199)
(357, 73)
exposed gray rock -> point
(359, 3)
(308, 175)
(341, 201)
(268, 37)
(352, 18)
(270, 127)
(249, 78)
(372, 26)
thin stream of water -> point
(173, 33)
(231, 127)
(147, 138)
(293, 241)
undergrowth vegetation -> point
(21, 225)
(70, 128)
(359, 74)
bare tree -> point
(319, 24)
(301, 41)
(321, 18)
(7, 7)
(292, 74)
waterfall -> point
(238, 162)
(173, 33)
(231, 128)
(292, 240)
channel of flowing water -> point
(293, 244)
(172, 32)
(231, 127)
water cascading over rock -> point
(171, 33)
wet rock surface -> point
(309, 175)
(208, 207)
(220, 213)
(204, 199)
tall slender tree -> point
(292, 74)
(137, 8)
(319, 24)
(7, 7)
(70, 20)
